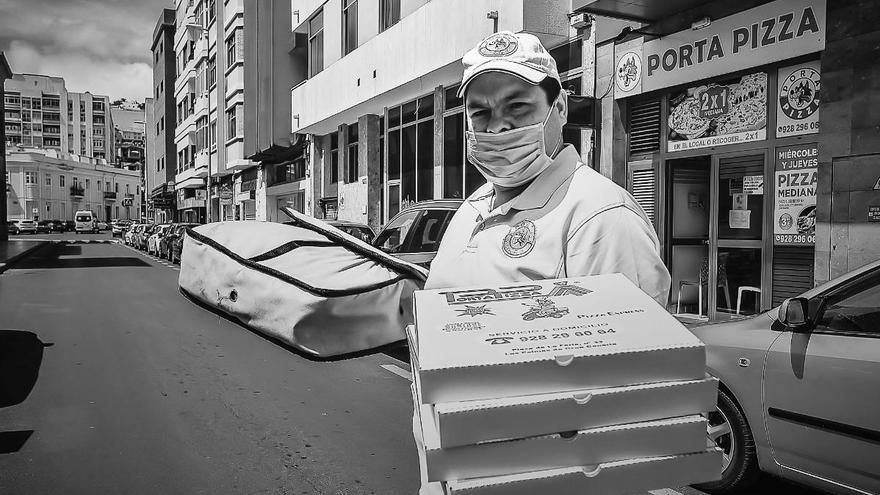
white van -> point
(85, 221)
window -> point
(349, 26)
(230, 50)
(202, 133)
(231, 122)
(127, 190)
(855, 309)
(48, 180)
(393, 236)
(30, 177)
(334, 157)
(411, 150)
(316, 43)
(213, 134)
(212, 71)
(211, 10)
(389, 14)
(61, 181)
(87, 184)
(99, 185)
(351, 154)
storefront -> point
(722, 124)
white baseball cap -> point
(518, 54)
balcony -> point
(77, 190)
(110, 195)
(192, 203)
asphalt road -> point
(112, 382)
(140, 391)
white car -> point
(128, 237)
(22, 227)
(153, 240)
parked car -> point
(103, 226)
(129, 234)
(142, 236)
(153, 240)
(44, 227)
(57, 226)
(118, 227)
(414, 234)
(21, 227)
(176, 242)
(799, 388)
(360, 230)
(69, 225)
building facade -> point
(732, 125)
(209, 94)
(378, 107)
(41, 113)
(5, 72)
(46, 184)
(161, 167)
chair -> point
(749, 288)
(704, 280)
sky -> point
(101, 46)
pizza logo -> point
(629, 71)
(799, 97)
(498, 45)
(520, 240)
(469, 310)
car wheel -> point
(728, 429)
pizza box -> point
(469, 422)
(611, 478)
(547, 336)
(597, 445)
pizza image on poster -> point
(726, 112)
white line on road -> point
(397, 370)
(664, 491)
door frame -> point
(766, 229)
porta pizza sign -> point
(768, 33)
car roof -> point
(347, 223)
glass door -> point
(736, 237)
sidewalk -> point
(16, 249)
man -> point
(543, 214)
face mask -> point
(511, 158)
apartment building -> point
(161, 164)
(378, 105)
(35, 117)
(47, 184)
(209, 95)
(5, 72)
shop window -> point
(411, 151)
(349, 26)
(316, 43)
(351, 150)
(644, 127)
(389, 13)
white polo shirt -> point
(570, 221)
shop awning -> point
(644, 11)
(277, 153)
(192, 182)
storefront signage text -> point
(795, 195)
(768, 33)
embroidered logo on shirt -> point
(520, 240)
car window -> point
(393, 237)
(855, 309)
(361, 233)
(427, 234)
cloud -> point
(83, 73)
(102, 46)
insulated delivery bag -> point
(307, 284)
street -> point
(135, 389)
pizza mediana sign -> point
(768, 33)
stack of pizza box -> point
(579, 385)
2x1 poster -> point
(727, 112)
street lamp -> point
(192, 24)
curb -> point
(12, 260)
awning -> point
(277, 153)
(644, 11)
(192, 182)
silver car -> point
(800, 389)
